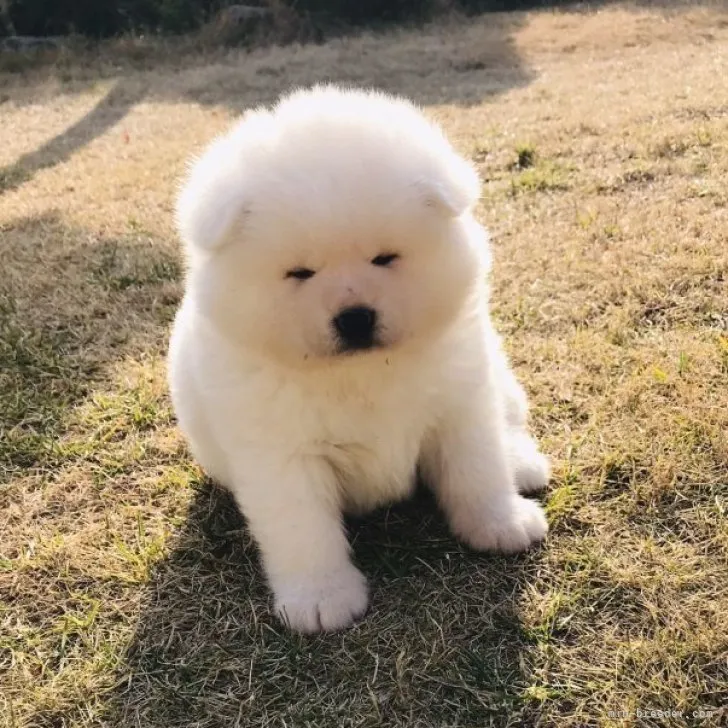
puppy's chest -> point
(373, 449)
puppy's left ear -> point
(454, 192)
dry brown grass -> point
(129, 592)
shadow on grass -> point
(445, 62)
(441, 645)
(71, 303)
(448, 65)
(111, 109)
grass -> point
(525, 156)
(129, 588)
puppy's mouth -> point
(350, 348)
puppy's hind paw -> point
(322, 602)
(512, 525)
(530, 467)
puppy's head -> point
(336, 224)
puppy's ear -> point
(454, 192)
(213, 198)
(216, 196)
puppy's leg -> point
(467, 462)
(530, 467)
(292, 512)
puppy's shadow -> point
(441, 644)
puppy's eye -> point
(300, 274)
(385, 259)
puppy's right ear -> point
(213, 198)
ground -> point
(130, 593)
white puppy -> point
(334, 337)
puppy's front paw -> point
(322, 602)
(510, 525)
(530, 467)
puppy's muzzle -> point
(356, 328)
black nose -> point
(355, 327)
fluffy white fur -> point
(299, 431)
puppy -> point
(334, 336)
